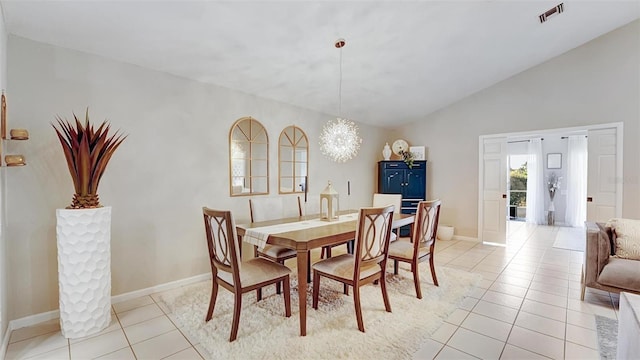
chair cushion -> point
(256, 271)
(276, 251)
(342, 266)
(621, 273)
(627, 238)
(404, 249)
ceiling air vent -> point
(554, 10)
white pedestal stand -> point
(84, 270)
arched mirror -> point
(248, 158)
(293, 155)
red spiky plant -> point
(88, 151)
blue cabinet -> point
(395, 177)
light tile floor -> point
(527, 307)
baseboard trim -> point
(465, 238)
(5, 342)
(33, 319)
(158, 288)
(54, 314)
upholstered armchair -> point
(608, 264)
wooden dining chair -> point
(271, 208)
(231, 273)
(389, 199)
(422, 243)
(368, 262)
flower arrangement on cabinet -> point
(407, 157)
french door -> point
(604, 185)
(492, 217)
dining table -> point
(304, 234)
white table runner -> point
(258, 236)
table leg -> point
(303, 255)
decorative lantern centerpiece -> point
(329, 204)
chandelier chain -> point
(340, 87)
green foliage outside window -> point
(518, 182)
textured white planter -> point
(445, 232)
(84, 270)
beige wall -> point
(596, 83)
(174, 161)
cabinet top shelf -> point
(393, 161)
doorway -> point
(500, 195)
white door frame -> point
(525, 134)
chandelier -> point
(339, 139)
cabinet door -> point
(415, 185)
(393, 180)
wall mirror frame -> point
(554, 161)
(293, 160)
(248, 158)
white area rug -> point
(332, 331)
(607, 330)
(570, 238)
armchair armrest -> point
(597, 251)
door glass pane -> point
(518, 187)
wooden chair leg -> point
(308, 267)
(212, 302)
(385, 296)
(395, 267)
(287, 297)
(416, 279)
(356, 301)
(345, 289)
(433, 270)
(237, 306)
(316, 289)
(278, 283)
(258, 291)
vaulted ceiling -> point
(403, 59)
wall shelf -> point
(10, 160)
